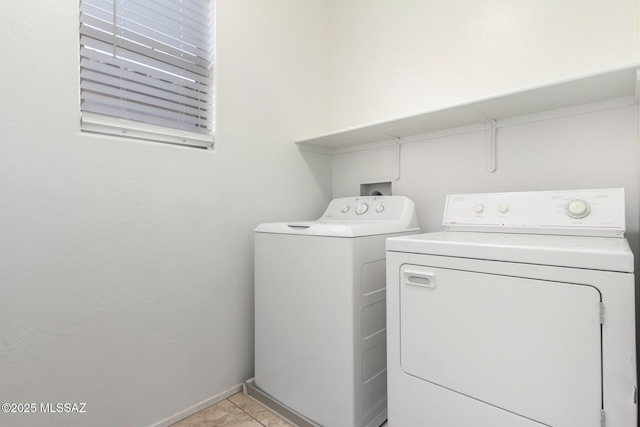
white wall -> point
(395, 58)
(126, 267)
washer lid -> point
(333, 228)
(595, 253)
(355, 217)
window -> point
(146, 69)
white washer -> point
(520, 314)
(320, 344)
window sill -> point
(106, 125)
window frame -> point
(106, 124)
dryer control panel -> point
(598, 212)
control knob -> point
(362, 208)
(577, 208)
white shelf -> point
(616, 83)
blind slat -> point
(131, 49)
(171, 8)
(107, 64)
(150, 65)
(167, 24)
(124, 93)
(199, 7)
(100, 19)
(104, 10)
(101, 72)
(102, 104)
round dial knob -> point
(478, 208)
(380, 208)
(503, 209)
(345, 209)
(577, 208)
(362, 208)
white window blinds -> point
(146, 69)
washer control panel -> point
(572, 212)
(367, 208)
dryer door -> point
(531, 347)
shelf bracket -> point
(492, 126)
(637, 90)
(396, 165)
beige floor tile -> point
(238, 410)
(258, 411)
(222, 414)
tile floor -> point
(237, 410)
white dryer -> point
(520, 314)
(320, 311)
